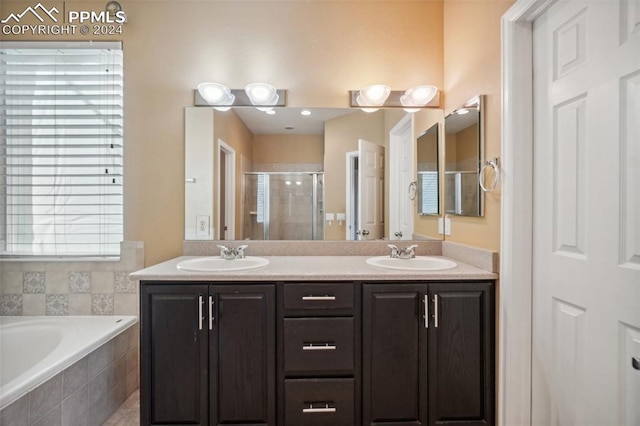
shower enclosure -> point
(283, 206)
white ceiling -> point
(260, 123)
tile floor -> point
(128, 414)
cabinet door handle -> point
(211, 317)
(435, 310)
(426, 310)
(318, 298)
(319, 347)
(635, 363)
(325, 409)
(200, 303)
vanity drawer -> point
(319, 402)
(319, 299)
(318, 345)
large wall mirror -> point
(304, 174)
(463, 155)
(428, 177)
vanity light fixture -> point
(371, 98)
(263, 96)
(417, 97)
(217, 94)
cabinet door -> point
(461, 361)
(242, 355)
(173, 349)
(394, 354)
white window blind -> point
(61, 148)
(428, 192)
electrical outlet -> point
(441, 226)
(341, 216)
(329, 217)
(202, 227)
(447, 226)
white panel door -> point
(401, 173)
(370, 190)
(586, 261)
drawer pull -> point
(319, 298)
(319, 347)
(325, 409)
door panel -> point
(370, 190)
(176, 391)
(242, 355)
(394, 350)
(461, 364)
(586, 268)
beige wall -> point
(472, 67)
(171, 46)
(288, 149)
(341, 136)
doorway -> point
(226, 191)
(401, 173)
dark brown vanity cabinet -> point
(208, 354)
(428, 354)
(319, 368)
(317, 353)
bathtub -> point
(34, 350)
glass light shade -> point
(216, 94)
(418, 96)
(262, 93)
(374, 95)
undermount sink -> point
(218, 264)
(418, 263)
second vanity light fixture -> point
(370, 98)
(263, 96)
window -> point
(428, 192)
(61, 149)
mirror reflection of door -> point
(400, 177)
(226, 191)
(370, 190)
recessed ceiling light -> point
(271, 111)
(305, 112)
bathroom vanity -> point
(320, 340)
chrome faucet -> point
(402, 252)
(227, 252)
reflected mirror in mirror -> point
(289, 176)
(428, 192)
(463, 152)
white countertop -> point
(310, 268)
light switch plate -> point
(329, 216)
(441, 225)
(447, 226)
(341, 216)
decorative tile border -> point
(34, 282)
(102, 304)
(72, 288)
(11, 304)
(57, 304)
(124, 284)
(79, 282)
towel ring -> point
(494, 163)
(413, 190)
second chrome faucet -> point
(402, 252)
(227, 252)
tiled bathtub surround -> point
(72, 287)
(87, 392)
